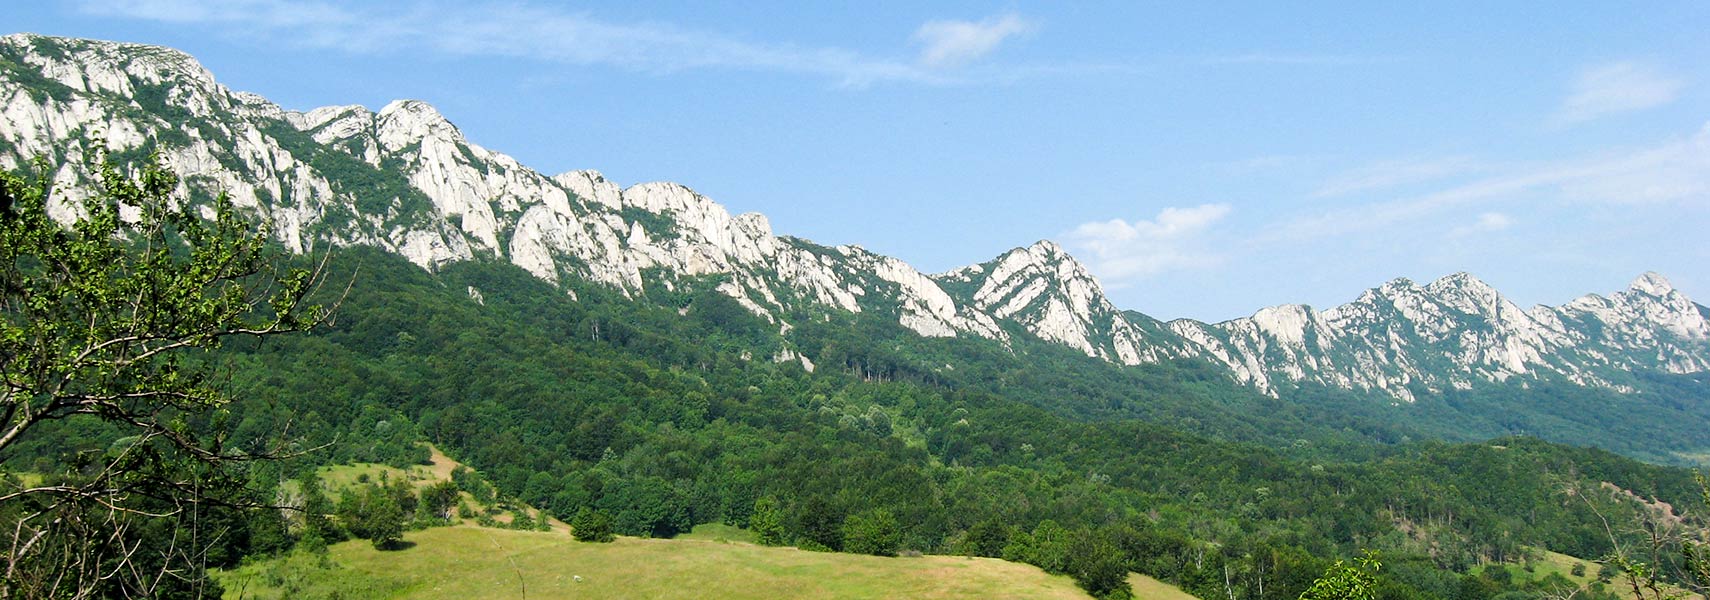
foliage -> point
(767, 522)
(373, 513)
(1344, 581)
(873, 532)
(318, 524)
(1670, 558)
(438, 501)
(591, 525)
(102, 323)
(653, 418)
(649, 416)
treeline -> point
(651, 421)
(660, 421)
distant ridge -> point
(405, 179)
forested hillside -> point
(1451, 359)
(640, 360)
(665, 419)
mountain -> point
(1404, 339)
(405, 179)
(591, 347)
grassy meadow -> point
(712, 561)
(472, 562)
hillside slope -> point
(404, 178)
(472, 562)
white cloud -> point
(1616, 88)
(1672, 172)
(1120, 251)
(1389, 174)
(956, 43)
(536, 32)
(1489, 222)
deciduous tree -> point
(101, 322)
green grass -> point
(1695, 458)
(719, 532)
(471, 562)
(1546, 562)
(1562, 564)
(343, 476)
(338, 477)
(1147, 588)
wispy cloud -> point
(1675, 171)
(1288, 59)
(1393, 173)
(1122, 251)
(1489, 222)
(1612, 88)
(956, 43)
(545, 32)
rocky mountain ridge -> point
(405, 179)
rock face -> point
(1048, 293)
(405, 179)
(1401, 338)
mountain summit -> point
(405, 179)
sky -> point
(1204, 160)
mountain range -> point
(406, 180)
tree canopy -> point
(104, 323)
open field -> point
(719, 532)
(342, 476)
(1547, 563)
(471, 562)
(1147, 588)
(339, 477)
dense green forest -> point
(661, 420)
(648, 416)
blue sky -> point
(1204, 161)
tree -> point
(1662, 578)
(101, 325)
(1097, 565)
(591, 526)
(438, 500)
(820, 524)
(986, 538)
(1343, 581)
(767, 522)
(318, 526)
(873, 532)
(373, 514)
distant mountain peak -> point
(1461, 280)
(1652, 283)
(418, 188)
(1048, 248)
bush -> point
(591, 526)
(767, 522)
(874, 532)
(374, 515)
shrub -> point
(873, 532)
(591, 526)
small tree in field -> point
(767, 522)
(373, 514)
(873, 532)
(99, 323)
(591, 526)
